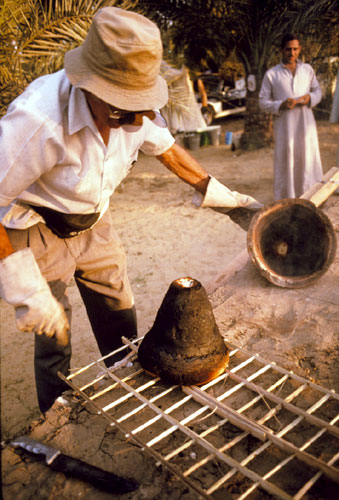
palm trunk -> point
(258, 130)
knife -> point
(77, 468)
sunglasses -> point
(125, 117)
(121, 117)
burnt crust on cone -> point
(184, 346)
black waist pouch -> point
(66, 225)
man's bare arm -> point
(5, 244)
(182, 164)
(239, 207)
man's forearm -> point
(5, 244)
(182, 164)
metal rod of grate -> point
(257, 421)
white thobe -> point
(297, 163)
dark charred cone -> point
(184, 346)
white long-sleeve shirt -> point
(53, 155)
(297, 163)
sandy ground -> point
(165, 238)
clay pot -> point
(184, 346)
(291, 242)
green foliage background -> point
(35, 34)
(228, 36)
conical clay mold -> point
(184, 346)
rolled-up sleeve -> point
(158, 138)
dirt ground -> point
(165, 238)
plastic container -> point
(214, 135)
(180, 139)
(205, 140)
(236, 138)
(228, 138)
(193, 141)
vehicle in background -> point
(222, 99)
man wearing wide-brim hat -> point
(66, 143)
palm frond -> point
(36, 34)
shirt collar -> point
(299, 62)
(79, 115)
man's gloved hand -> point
(239, 207)
(23, 286)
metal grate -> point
(256, 427)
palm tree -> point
(207, 31)
(35, 34)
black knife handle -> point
(97, 477)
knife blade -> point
(74, 467)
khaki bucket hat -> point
(119, 61)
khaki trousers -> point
(97, 261)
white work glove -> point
(219, 196)
(239, 207)
(23, 286)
